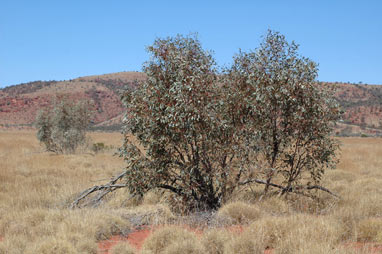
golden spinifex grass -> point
(37, 188)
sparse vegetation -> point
(38, 188)
(204, 152)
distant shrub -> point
(100, 147)
(62, 128)
(97, 147)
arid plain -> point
(37, 188)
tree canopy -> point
(200, 134)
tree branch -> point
(171, 188)
(291, 189)
(107, 188)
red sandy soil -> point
(105, 246)
(372, 248)
(137, 238)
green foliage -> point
(201, 134)
(97, 147)
(291, 116)
(174, 117)
(62, 128)
(100, 147)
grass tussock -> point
(311, 248)
(14, 244)
(240, 212)
(297, 229)
(370, 230)
(275, 206)
(189, 246)
(172, 239)
(80, 229)
(214, 240)
(150, 215)
(37, 187)
(52, 245)
(123, 248)
(245, 243)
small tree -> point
(292, 115)
(188, 145)
(62, 128)
(201, 134)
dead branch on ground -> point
(105, 189)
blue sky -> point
(46, 40)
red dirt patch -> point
(138, 236)
(372, 248)
(105, 246)
(268, 251)
(135, 238)
(236, 229)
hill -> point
(19, 104)
(362, 108)
(361, 104)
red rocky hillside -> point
(19, 104)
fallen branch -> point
(323, 189)
(106, 188)
(291, 189)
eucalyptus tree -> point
(291, 114)
(200, 134)
(184, 140)
(62, 128)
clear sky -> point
(58, 40)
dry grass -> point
(240, 212)
(214, 240)
(36, 188)
(171, 240)
(245, 243)
(297, 229)
(123, 248)
(370, 230)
